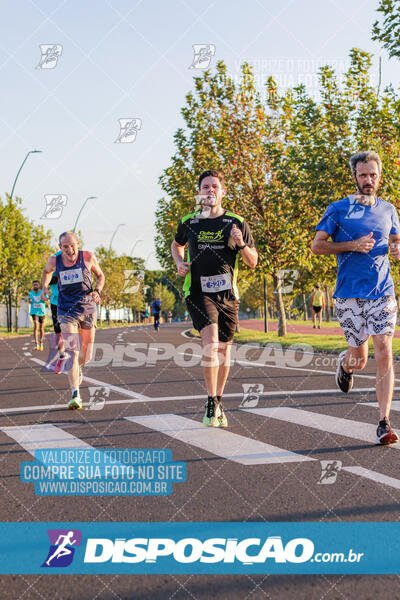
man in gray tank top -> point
(76, 310)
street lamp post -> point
(20, 169)
(113, 235)
(81, 209)
(134, 246)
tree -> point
(24, 249)
(388, 31)
(285, 159)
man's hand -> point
(237, 235)
(45, 293)
(183, 268)
(395, 250)
(95, 296)
(364, 244)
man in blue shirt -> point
(156, 306)
(37, 312)
(361, 228)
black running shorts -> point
(37, 318)
(317, 309)
(221, 308)
(56, 324)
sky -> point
(123, 60)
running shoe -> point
(59, 364)
(209, 414)
(41, 346)
(37, 347)
(76, 402)
(385, 434)
(344, 380)
(219, 419)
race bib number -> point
(37, 305)
(71, 276)
(216, 283)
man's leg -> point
(35, 329)
(210, 364)
(314, 318)
(41, 326)
(320, 318)
(71, 338)
(384, 373)
(224, 359)
(356, 358)
(87, 341)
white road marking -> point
(395, 404)
(136, 398)
(33, 437)
(374, 476)
(220, 442)
(356, 430)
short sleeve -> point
(329, 221)
(247, 237)
(395, 223)
(181, 234)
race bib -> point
(37, 305)
(216, 283)
(71, 276)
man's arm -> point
(178, 254)
(321, 245)
(100, 278)
(249, 255)
(394, 241)
(46, 277)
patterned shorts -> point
(361, 318)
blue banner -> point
(208, 548)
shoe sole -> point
(74, 406)
(389, 438)
(340, 360)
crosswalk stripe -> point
(346, 427)
(374, 476)
(395, 404)
(33, 437)
(231, 446)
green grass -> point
(325, 343)
(309, 323)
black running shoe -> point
(210, 411)
(385, 434)
(344, 380)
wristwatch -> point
(241, 247)
(98, 291)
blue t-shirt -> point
(38, 306)
(54, 293)
(365, 276)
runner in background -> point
(38, 313)
(53, 285)
(156, 307)
(76, 310)
(317, 305)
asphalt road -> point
(237, 479)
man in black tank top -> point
(216, 238)
(76, 310)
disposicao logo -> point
(189, 550)
(62, 547)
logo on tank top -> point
(356, 210)
(71, 276)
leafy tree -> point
(388, 30)
(24, 248)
